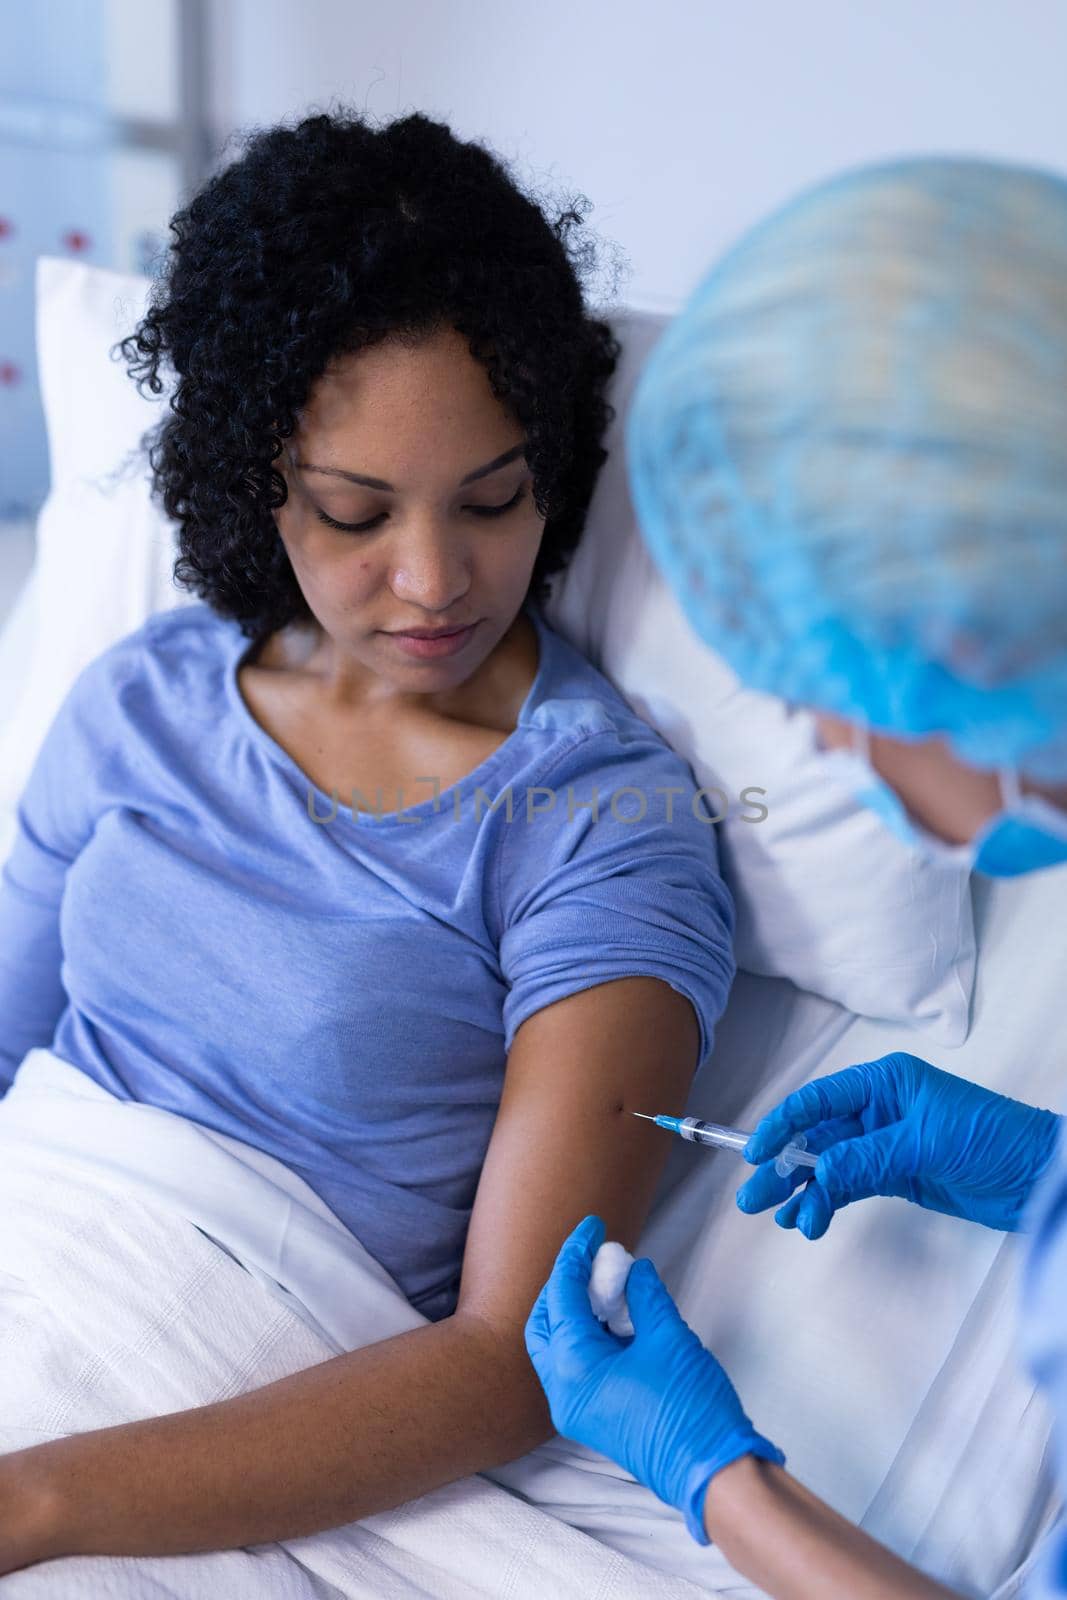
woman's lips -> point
(446, 644)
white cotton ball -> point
(607, 1287)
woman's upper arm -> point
(615, 894)
(564, 1143)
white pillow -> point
(104, 552)
(16, 645)
(825, 896)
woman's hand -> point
(899, 1126)
(658, 1403)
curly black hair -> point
(327, 237)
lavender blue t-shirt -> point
(185, 917)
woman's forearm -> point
(354, 1435)
(793, 1545)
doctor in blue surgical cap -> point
(848, 456)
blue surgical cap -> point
(848, 456)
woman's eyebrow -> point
(379, 483)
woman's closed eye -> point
(367, 527)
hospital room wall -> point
(682, 120)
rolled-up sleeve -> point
(628, 889)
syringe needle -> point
(643, 1114)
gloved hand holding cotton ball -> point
(607, 1287)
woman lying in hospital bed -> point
(420, 920)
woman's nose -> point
(431, 574)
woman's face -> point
(438, 552)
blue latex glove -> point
(899, 1126)
(658, 1403)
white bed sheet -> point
(119, 1300)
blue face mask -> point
(1027, 834)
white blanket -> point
(148, 1265)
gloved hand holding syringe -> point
(795, 1154)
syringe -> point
(795, 1154)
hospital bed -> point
(882, 1358)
